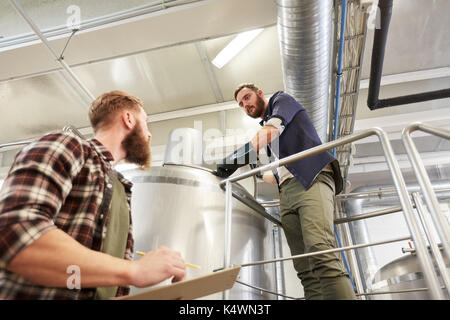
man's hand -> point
(241, 157)
(158, 265)
(223, 172)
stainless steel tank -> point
(182, 207)
(402, 274)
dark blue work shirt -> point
(298, 135)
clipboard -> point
(190, 289)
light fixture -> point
(235, 46)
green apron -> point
(115, 242)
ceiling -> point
(163, 57)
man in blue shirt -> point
(307, 188)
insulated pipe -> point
(376, 68)
(304, 29)
(413, 98)
(378, 52)
(66, 67)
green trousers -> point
(307, 218)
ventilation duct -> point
(304, 30)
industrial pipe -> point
(376, 68)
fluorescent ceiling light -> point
(235, 46)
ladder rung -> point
(350, 38)
(350, 68)
(348, 94)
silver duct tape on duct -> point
(304, 30)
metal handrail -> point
(12, 144)
(316, 253)
(442, 226)
(425, 261)
(18, 143)
(349, 219)
(381, 193)
(368, 215)
(432, 241)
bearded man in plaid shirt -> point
(65, 212)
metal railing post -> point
(421, 250)
(228, 221)
(441, 224)
(315, 253)
(432, 241)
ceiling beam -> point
(81, 89)
(196, 21)
(209, 71)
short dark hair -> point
(250, 86)
(104, 108)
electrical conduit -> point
(336, 112)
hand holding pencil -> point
(190, 265)
(156, 266)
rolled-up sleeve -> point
(34, 190)
(277, 123)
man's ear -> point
(261, 93)
(128, 119)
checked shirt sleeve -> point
(37, 184)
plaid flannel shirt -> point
(59, 181)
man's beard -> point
(137, 148)
(259, 108)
